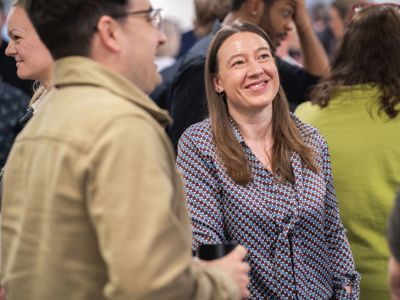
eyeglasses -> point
(359, 7)
(154, 16)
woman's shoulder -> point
(198, 135)
(199, 131)
(310, 134)
(306, 111)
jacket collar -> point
(77, 70)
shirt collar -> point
(78, 70)
(236, 131)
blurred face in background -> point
(1, 18)
(336, 23)
(277, 20)
(33, 60)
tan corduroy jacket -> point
(93, 207)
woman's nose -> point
(255, 68)
(10, 50)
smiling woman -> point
(33, 60)
(257, 175)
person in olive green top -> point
(93, 206)
(394, 245)
(356, 108)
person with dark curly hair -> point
(356, 108)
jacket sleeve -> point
(188, 100)
(342, 264)
(202, 191)
(296, 82)
(141, 221)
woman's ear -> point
(218, 86)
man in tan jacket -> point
(92, 206)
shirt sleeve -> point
(342, 263)
(141, 223)
(394, 229)
(203, 192)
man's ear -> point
(109, 33)
(254, 10)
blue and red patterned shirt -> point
(297, 246)
(13, 106)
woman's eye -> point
(238, 62)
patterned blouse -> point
(297, 246)
(13, 105)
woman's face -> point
(247, 74)
(33, 59)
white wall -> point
(181, 10)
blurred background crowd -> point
(339, 72)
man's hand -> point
(300, 17)
(315, 59)
(233, 266)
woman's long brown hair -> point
(367, 54)
(286, 136)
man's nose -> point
(162, 39)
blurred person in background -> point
(394, 245)
(356, 108)
(33, 60)
(338, 17)
(8, 70)
(320, 17)
(13, 105)
(289, 49)
(207, 13)
(166, 53)
(275, 17)
(167, 65)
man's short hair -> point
(67, 27)
(236, 4)
(1, 6)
